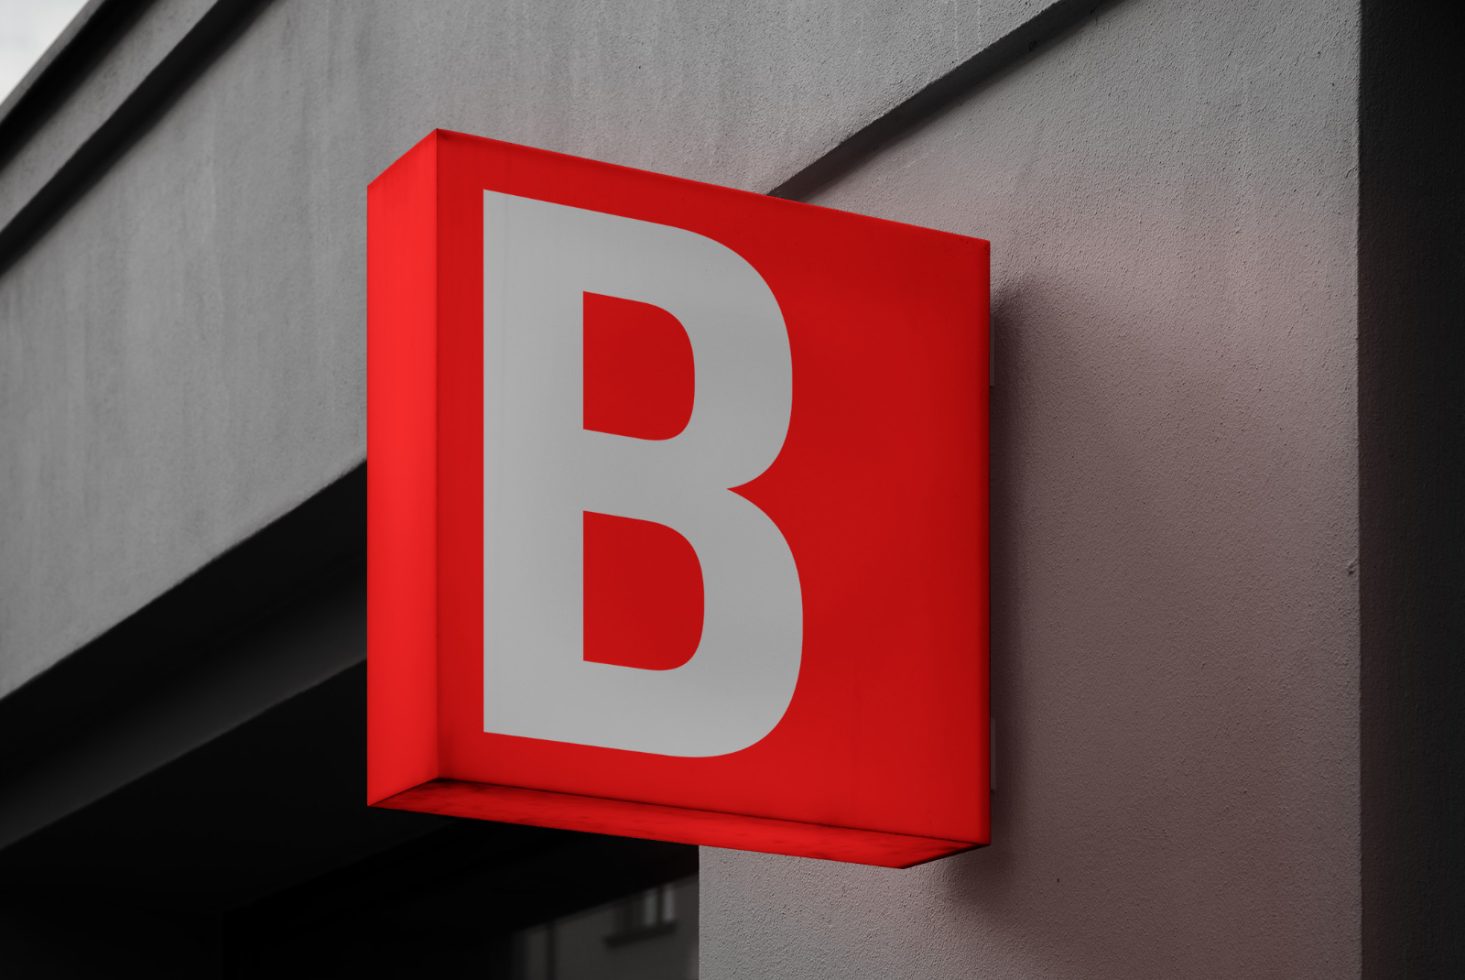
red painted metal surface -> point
(879, 490)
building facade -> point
(1226, 542)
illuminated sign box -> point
(677, 510)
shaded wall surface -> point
(1411, 420)
(1172, 192)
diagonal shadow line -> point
(859, 146)
(137, 114)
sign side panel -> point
(402, 349)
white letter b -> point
(542, 471)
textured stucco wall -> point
(1171, 195)
(182, 351)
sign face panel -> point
(677, 510)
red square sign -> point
(677, 510)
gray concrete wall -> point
(182, 349)
(1171, 195)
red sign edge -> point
(401, 474)
(684, 825)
